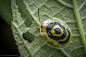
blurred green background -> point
(8, 44)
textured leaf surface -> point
(71, 12)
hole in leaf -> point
(28, 23)
(29, 37)
(24, 13)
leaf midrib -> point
(79, 23)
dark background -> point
(8, 44)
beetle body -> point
(56, 31)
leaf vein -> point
(82, 5)
(76, 11)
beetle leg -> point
(42, 33)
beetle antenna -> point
(38, 15)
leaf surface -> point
(70, 11)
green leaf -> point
(73, 12)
